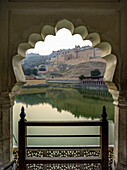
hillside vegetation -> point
(81, 69)
(35, 62)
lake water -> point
(61, 104)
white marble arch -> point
(105, 48)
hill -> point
(75, 71)
(34, 60)
(58, 63)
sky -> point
(62, 40)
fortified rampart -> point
(75, 56)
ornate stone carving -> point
(5, 101)
(105, 48)
(64, 153)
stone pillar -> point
(120, 131)
(6, 130)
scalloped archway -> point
(105, 48)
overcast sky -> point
(62, 40)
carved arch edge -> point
(105, 48)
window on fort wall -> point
(63, 88)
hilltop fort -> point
(74, 56)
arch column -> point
(120, 130)
(6, 130)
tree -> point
(81, 77)
(95, 73)
(42, 69)
(34, 71)
(27, 71)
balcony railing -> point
(24, 160)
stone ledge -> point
(9, 166)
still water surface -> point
(61, 104)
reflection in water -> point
(62, 104)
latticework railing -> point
(65, 153)
(63, 157)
